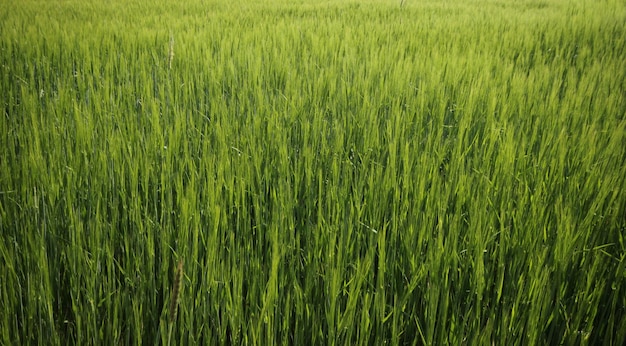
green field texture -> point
(437, 172)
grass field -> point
(327, 172)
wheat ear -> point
(175, 299)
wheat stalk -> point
(170, 57)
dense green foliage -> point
(330, 172)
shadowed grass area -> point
(441, 172)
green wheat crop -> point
(332, 172)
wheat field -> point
(313, 172)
